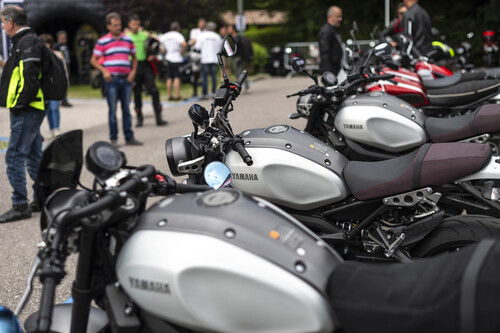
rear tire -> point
(455, 232)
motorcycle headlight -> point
(304, 105)
(177, 150)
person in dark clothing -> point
(62, 46)
(417, 25)
(396, 25)
(330, 42)
(144, 75)
(21, 93)
(244, 53)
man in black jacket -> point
(417, 25)
(330, 43)
(21, 93)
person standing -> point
(330, 42)
(244, 53)
(62, 46)
(194, 54)
(417, 25)
(209, 44)
(21, 93)
(114, 57)
(52, 106)
(174, 44)
(144, 75)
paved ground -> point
(263, 106)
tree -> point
(158, 14)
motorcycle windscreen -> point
(61, 165)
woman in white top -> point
(173, 44)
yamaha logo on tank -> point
(155, 286)
(245, 176)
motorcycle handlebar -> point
(242, 78)
(46, 303)
(111, 197)
(240, 149)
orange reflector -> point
(274, 234)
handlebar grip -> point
(46, 304)
(185, 188)
(242, 77)
(240, 149)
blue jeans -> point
(24, 151)
(53, 114)
(206, 70)
(119, 89)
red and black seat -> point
(486, 119)
(430, 165)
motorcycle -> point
(452, 94)
(374, 211)
(377, 125)
(221, 261)
(490, 48)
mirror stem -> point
(315, 79)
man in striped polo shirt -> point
(114, 56)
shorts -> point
(173, 70)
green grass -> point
(86, 91)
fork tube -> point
(81, 292)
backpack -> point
(54, 80)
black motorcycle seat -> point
(453, 292)
(463, 93)
(486, 119)
(430, 165)
(453, 79)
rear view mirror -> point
(229, 47)
(298, 64)
(382, 50)
(217, 175)
(9, 323)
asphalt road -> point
(263, 106)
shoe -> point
(35, 206)
(170, 98)
(16, 213)
(66, 104)
(161, 122)
(140, 121)
(133, 142)
(114, 142)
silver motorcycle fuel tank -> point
(381, 121)
(290, 168)
(221, 261)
